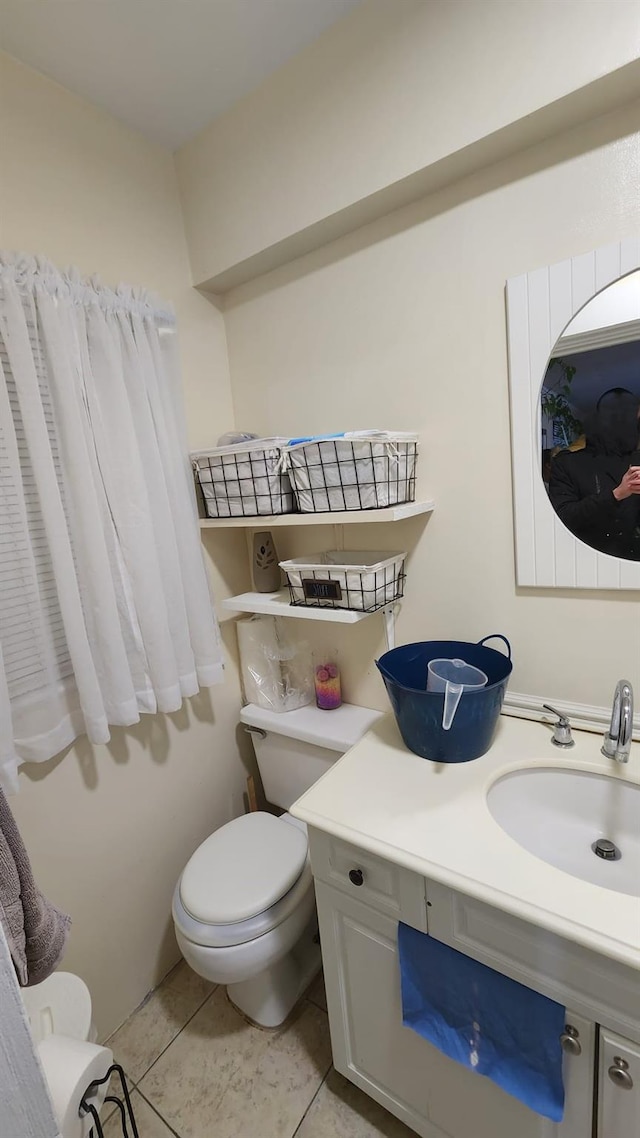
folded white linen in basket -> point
(353, 473)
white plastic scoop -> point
(453, 677)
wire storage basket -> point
(360, 581)
(363, 470)
(244, 480)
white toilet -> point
(244, 907)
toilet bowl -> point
(244, 914)
(244, 907)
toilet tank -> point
(294, 748)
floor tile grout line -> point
(135, 1086)
(143, 1003)
(156, 1111)
(317, 1092)
(144, 1074)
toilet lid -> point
(243, 869)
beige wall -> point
(110, 828)
(403, 325)
(395, 88)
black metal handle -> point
(356, 876)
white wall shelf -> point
(343, 518)
(277, 604)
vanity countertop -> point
(433, 818)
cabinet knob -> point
(356, 876)
(619, 1074)
(570, 1040)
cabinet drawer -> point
(599, 988)
(375, 881)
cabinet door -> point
(618, 1087)
(435, 1096)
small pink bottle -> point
(327, 684)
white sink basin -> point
(558, 814)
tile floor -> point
(200, 1071)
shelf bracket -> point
(390, 626)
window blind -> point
(34, 646)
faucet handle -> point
(562, 736)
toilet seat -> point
(242, 869)
(225, 936)
(280, 844)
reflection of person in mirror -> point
(596, 491)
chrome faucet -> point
(617, 741)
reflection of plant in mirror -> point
(555, 403)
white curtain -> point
(105, 610)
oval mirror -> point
(590, 422)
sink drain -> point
(607, 850)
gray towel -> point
(36, 931)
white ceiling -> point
(165, 67)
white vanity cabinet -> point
(361, 897)
(618, 1087)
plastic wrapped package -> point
(233, 437)
(276, 667)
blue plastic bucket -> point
(419, 712)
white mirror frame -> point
(539, 307)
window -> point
(105, 611)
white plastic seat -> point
(241, 932)
(243, 869)
(241, 843)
